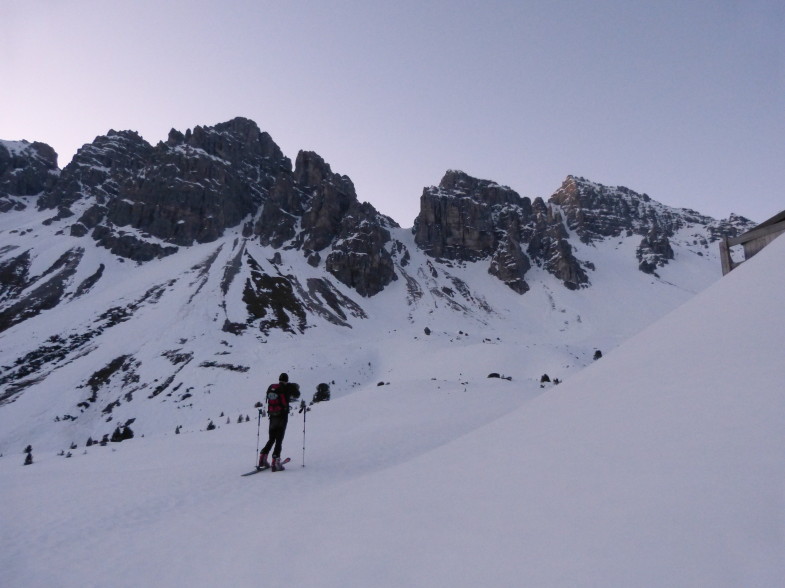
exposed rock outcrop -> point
(329, 198)
(26, 169)
(360, 258)
(596, 212)
(456, 219)
(466, 219)
(654, 251)
(550, 247)
(143, 202)
(317, 211)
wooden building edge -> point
(752, 241)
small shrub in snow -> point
(210, 426)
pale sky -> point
(683, 100)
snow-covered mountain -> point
(154, 287)
(659, 465)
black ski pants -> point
(278, 424)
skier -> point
(278, 398)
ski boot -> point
(277, 466)
(263, 463)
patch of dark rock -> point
(13, 274)
(232, 269)
(161, 387)
(110, 407)
(102, 376)
(272, 301)
(47, 294)
(89, 282)
(176, 357)
(233, 328)
(226, 366)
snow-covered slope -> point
(660, 465)
(149, 344)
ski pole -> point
(303, 410)
(258, 426)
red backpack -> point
(277, 401)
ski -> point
(261, 469)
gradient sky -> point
(683, 100)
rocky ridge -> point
(143, 202)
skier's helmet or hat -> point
(284, 377)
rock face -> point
(186, 190)
(654, 251)
(597, 212)
(465, 219)
(456, 219)
(26, 169)
(325, 207)
(550, 247)
(143, 202)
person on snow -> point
(278, 398)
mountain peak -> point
(456, 183)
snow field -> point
(660, 465)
